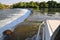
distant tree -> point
(43, 5)
(52, 4)
(36, 5)
(3, 6)
(58, 5)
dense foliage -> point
(3, 6)
(35, 5)
(31, 4)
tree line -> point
(37, 5)
(3, 6)
(34, 5)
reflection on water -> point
(50, 10)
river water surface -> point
(29, 28)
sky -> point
(9, 2)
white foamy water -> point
(11, 17)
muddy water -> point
(29, 28)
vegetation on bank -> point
(3, 6)
(37, 5)
(34, 5)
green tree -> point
(43, 5)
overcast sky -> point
(9, 2)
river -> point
(34, 19)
